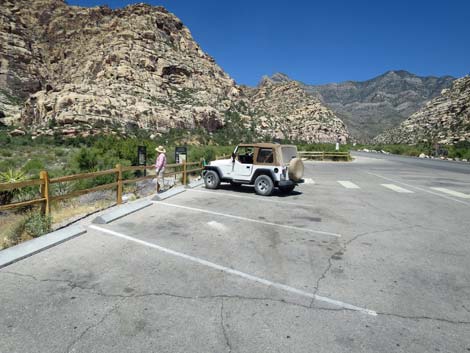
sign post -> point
(142, 157)
(181, 154)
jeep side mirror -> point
(233, 156)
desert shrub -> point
(13, 233)
(208, 153)
(460, 150)
(86, 159)
(4, 165)
(235, 130)
(5, 139)
(6, 153)
(33, 167)
(58, 189)
(37, 224)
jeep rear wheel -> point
(264, 185)
(211, 180)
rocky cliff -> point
(80, 71)
(136, 67)
(283, 109)
(445, 119)
(370, 107)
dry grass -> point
(63, 213)
(9, 233)
(69, 211)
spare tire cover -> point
(296, 169)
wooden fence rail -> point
(44, 182)
(46, 197)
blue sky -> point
(326, 41)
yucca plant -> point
(10, 176)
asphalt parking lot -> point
(370, 256)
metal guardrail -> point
(47, 198)
(325, 155)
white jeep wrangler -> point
(264, 165)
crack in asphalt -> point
(224, 330)
(95, 291)
(417, 318)
(99, 292)
(92, 326)
(343, 249)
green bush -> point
(208, 153)
(33, 167)
(86, 159)
(37, 224)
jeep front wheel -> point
(211, 179)
(264, 185)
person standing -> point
(160, 165)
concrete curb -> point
(195, 184)
(169, 193)
(121, 211)
(34, 246)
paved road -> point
(371, 257)
(445, 165)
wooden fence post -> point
(119, 184)
(45, 193)
(184, 173)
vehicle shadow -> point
(249, 189)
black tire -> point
(287, 189)
(211, 179)
(264, 185)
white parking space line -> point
(418, 188)
(453, 193)
(348, 184)
(246, 219)
(259, 198)
(237, 273)
(397, 188)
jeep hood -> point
(221, 162)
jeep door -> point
(243, 164)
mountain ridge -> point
(444, 120)
(99, 70)
(372, 106)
